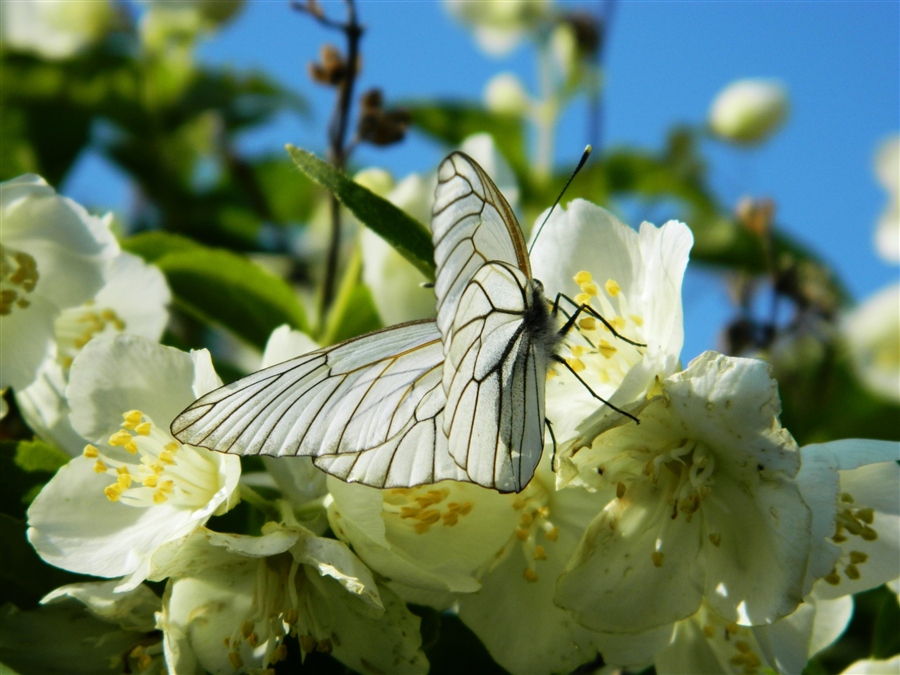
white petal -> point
(285, 343)
(112, 376)
(133, 610)
(44, 408)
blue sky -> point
(665, 61)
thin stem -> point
(337, 139)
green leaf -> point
(223, 287)
(411, 239)
(886, 638)
(152, 246)
(36, 455)
(453, 121)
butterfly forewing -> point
(346, 399)
(472, 224)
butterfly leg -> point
(552, 438)
(587, 309)
(559, 359)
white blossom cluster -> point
(701, 540)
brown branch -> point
(338, 151)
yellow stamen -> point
(143, 429)
(657, 558)
(582, 299)
(100, 467)
(540, 553)
(120, 438)
(606, 349)
(91, 451)
(530, 575)
(582, 277)
(612, 288)
(590, 288)
(587, 323)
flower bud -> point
(748, 112)
(887, 169)
(505, 94)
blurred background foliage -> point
(231, 231)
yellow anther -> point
(526, 518)
(91, 451)
(552, 534)
(235, 660)
(120, 438)
(852, 572)
(451, 518)
(732, 629)
(246, 629)
(131, 447)
(543, 511)
(280, 654)
(324, 646)
(612, 288)
(858, 557)
(159, 496)
(429, 516)
(108, 315)
(617, 322)
(307, 643)
(521, 533)
(530, 575)
(100, 467)
(166, 457)
(582, 299)
(143, 428)
(587, 323)
(124, 481)
(410, 511)
(638, 320)
(583, 277)
(540, 553)
(868, 534)
(715, 538)
(167, 486)
(620, 490)
(137, 652)
(144, 662)
(150, 481)
(742, 646)
(606, 349)
(466, 508)
(834, 578)
(133, 416)
(577, 365)
(291, 616)
(866, 515)
(590, 288)
(578, 351)
(253, 639)
(551, 373)
(657, 558)
(847, 498)
(113, 492)
(171, 446)
(519, 503)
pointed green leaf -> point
(222, 287)
(411, 239)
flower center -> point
(595, 353)
(279, 607)
(733, 642)
(159, 470)
(424, 507)
(18, 278)
(853, 520)
(535, 531)
(77, 326)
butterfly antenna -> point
(581, 163)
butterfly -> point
(460, 397)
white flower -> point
(133, 300)
(255, 591)
(504, 93)
(54, 29)
(396, 284)
(873, 667)
(700, 503)
(85, 628)
(106, 512)
(53, 255)
(298, 479)
(872, 332)
(500, 25)
(632, 279)
(887, 168)
(749, 111)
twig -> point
(337, 133)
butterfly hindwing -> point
(346, 399)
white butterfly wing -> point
(496, 354)
(368, 398)
(471, 224)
